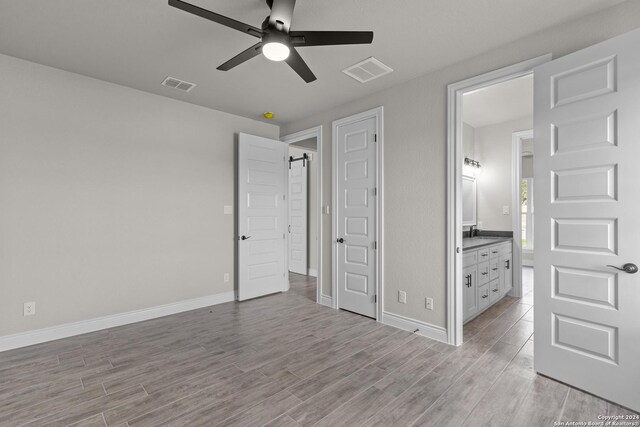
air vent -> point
(178, 84)
(367, 70)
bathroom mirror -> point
(468, 200)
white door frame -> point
(376, 113)
(516, 207)
(454, 182)
(315, 132)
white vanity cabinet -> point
(487, 276)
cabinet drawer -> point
(484, 299)
(469, 258)
(483, 272)
(494, 290)
(494, 252)
(494, 268)
(483, 254)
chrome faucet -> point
(471, 230)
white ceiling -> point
(138, 43)
(499, 103)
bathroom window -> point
(526, 198)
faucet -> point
(471, 230)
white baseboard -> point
(425, 329)
(326, 300)
(38, 336)
(312, 272)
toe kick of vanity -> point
(487, 276)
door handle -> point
(340, 240)
(244, 237)
(627, 268)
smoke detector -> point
(178, 84)
(367, 70)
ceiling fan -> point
(277, 42)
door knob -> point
(627, 268)
(244, 237)
(340, 240)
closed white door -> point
(356, 216)
(298, 217)
(262, 216)
(587, 136)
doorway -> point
(304, 256)
(482, 275)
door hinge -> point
(375, 137)
(284, 197)
(375, 298)
(375, 245)
(283, 236)
(375, 191)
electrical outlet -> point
(402, 297)
(428, 303)
(480, 225)
(29, 308)
(505, 210)
(226, 277)
(228, 210)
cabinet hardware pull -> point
(495, 290)
(484, 273)
(485, 296)
(495, 269)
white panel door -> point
(262, 216)
(356, 216)
(587, 136)
(298, 217)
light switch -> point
(505, 210)
(228, 210)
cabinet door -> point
(470, 288)
(506, 279)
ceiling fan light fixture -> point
(275, 51)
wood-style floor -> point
(283, 360)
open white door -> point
(356, 161)
(587, 136)
(262, 216)
(298, 217)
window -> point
(526, 199)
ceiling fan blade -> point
(282, 10)
(296, 62)
(246, 55)
(215, 17)
(326, 38)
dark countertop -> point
(478, 242)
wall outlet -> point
(428, 303)
(29, 309)
(480, 225)
(228, 210)
(505, 210)
(225, 277)
(402, 297)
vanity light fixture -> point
(471, 162)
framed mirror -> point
(468, 200)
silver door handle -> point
(245, 237)
(627, 268)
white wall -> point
(111, 199)
(415, 158)
(312, 205)
(493, 146)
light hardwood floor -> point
(283, 360)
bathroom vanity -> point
(487, 273)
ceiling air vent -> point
(178, 84)
(367, 70)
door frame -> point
(314, 132)
(516, 207)
(378, 114)
(455, 92)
